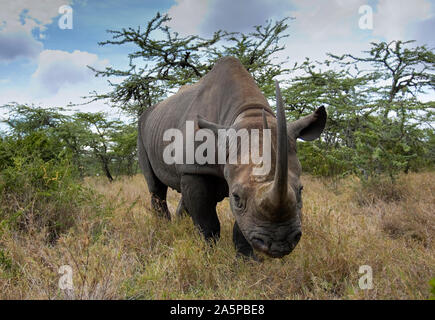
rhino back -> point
(226, 91)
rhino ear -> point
(205, 124)
(310, 127)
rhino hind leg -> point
(158, 203)
(157, 189)
(199, 198)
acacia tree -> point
(23, 119)
(346, 97)
(87, 139)
(34, 130)
(125, 149)
(407, 71)
(392, 142)
(99, 132)
(256, 50)
(376, 118)
(164, 60)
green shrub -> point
(324, 162)
(38, 186)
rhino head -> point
(268, 209)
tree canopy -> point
(163, 60)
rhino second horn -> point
(265, 125)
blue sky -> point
(43, 64)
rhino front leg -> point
(199, 197)
(242, 245)
(181, 209)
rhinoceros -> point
(267, 209)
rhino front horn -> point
(277, 194)
(279, 188)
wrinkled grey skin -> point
(267, 209)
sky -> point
(44, 64)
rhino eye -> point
(300, 191)
(237, 201)
(236, 197)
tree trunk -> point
(107, 171)
(105, 166)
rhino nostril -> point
(295, 237)
(260, 243)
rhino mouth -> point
(276, 248)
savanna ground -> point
(118, 249)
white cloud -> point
(392, 18)
(241, 15)
(58, 69)
(297, 49)
(319, 27)
(26, 15)
(18, 19)
(72, 94)
(323, 20)
(64, 97)
(187, 15)
(61, 77)
(322, 27)
(204, 17)
(18, 44)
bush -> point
(324, 162)
(378, 188)
(38, 186)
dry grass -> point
(124, 252)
